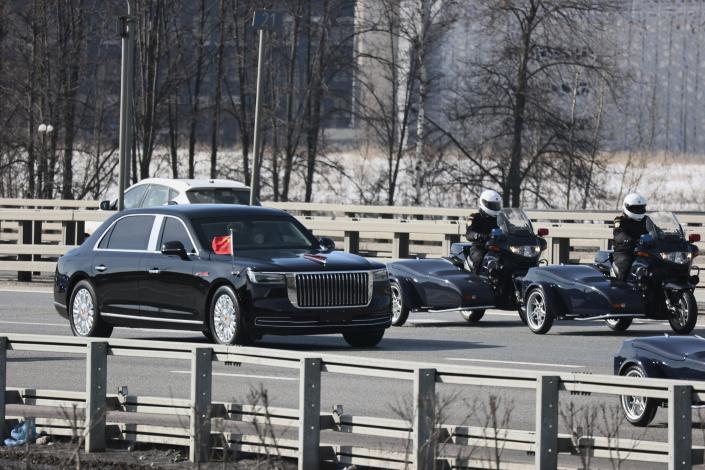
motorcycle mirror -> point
(694, 237)
(542, 232)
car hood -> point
(304, 261)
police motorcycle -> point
(449, 284)
(659, 285)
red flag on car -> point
(222, 245)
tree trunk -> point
(218, 91)
(196, 90)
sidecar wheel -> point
(619, 324)
(639, 411)
(539, 318)
(686, 314)
(472, 316)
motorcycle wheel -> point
(639, 411)
(400, 312)
(686, 314)
(472, 316)
(619, 324)
(539, 318)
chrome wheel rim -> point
(83, 312)
(224, 318)
(536, 310)
(612, 321)
(682, 312)
(396, 304)
(634, 406)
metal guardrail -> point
(192, 421)
(32, 234)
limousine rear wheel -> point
(364, 339)
(619, 324)
(84, 316)
(226, 322)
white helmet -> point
(490, 202)
(634, 206)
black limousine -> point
(235, 273)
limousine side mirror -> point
(327, 243)
(174, 248)
(105, 206)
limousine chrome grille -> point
(330, 289)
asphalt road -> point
(499, 340)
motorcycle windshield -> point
(664, 226)
(514, 222)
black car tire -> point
(522, 314)
(636, 413)
(225, 308)
(364, 339)
(400, 312)
(84, 300)
(472, 316)
(619, 324)
(539, 317)
(687, 314)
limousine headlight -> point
(265, 278)
(380, 275)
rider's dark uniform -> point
(478, 231)
(626, 235)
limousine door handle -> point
(153, 271)
(101, 268)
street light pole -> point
(254, 180)
(127, 34)
(263, 20)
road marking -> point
(248, 376)
(8, 322)
(26, 291)
(495, 361)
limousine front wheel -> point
(226, 323)
(84, 315)
(364, 339)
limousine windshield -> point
(256, 234)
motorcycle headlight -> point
(678, 257)
(528, 251)
(265, 278)
(380, 275)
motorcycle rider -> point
(480, 225)
(628, 227)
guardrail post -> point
(400, 245)
(201, 389)
(351, 242)
(68, 232)
(680, 400)
(3, 386)
(96, 385)
(448, 240)
(424, 419)
(309, 413)
(24, 236)
(547, 422)
(560, 250)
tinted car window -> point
(257, 234)
(172, 194)
(134, 196)
(219, 196)
(131, 233)
(174, 231)
(156, 196)
(104, 241)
